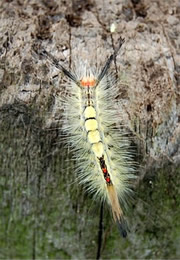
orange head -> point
(88, 82)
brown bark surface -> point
(44, 212)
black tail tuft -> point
(122, 226)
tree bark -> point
(44, 212)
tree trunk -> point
(45, 213)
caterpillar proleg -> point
(100, 148)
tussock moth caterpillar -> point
(101, 149)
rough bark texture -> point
(44, 213)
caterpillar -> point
(104, 163)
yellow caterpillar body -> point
(103, 161)
(100, 148)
